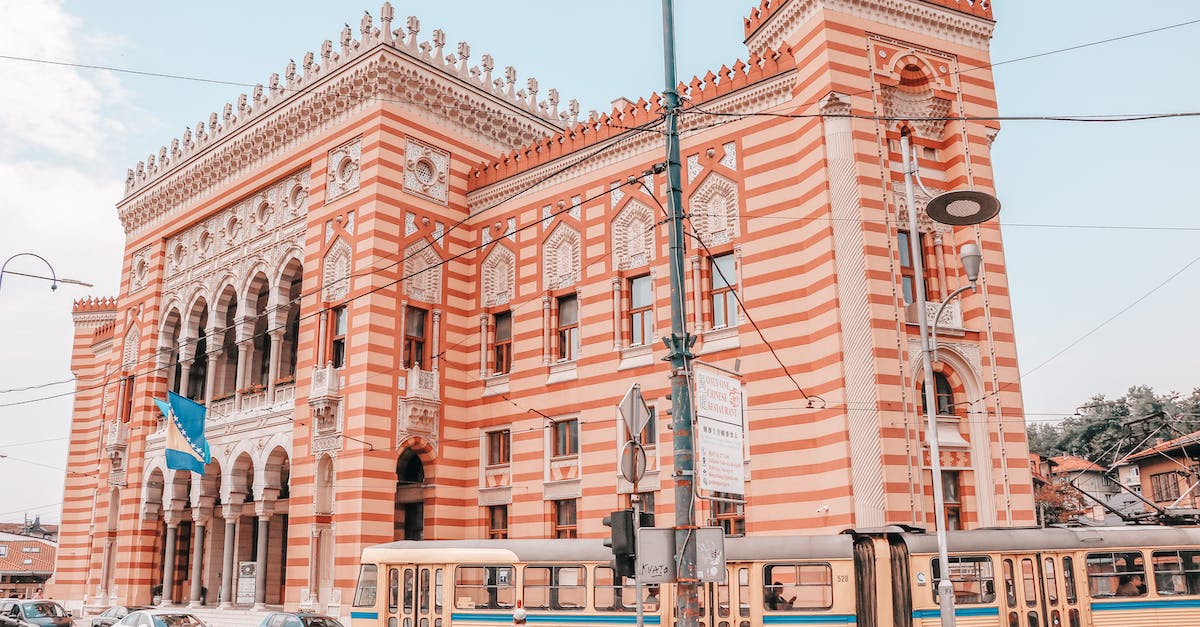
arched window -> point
(944, 393)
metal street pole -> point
(944, 586)
(687, 598)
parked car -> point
(299, 619)
(35, 612)
(160, 618)
(114, 614)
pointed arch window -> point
(944, 393)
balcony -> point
(422, 384)
(117, 438)
(949, 434)
(420, 406)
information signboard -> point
(719, 432)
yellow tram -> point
(1060, 577)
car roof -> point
(165, 612)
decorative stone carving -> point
(129, 354)
(139, 269)
(335, 274)
(616, 193)
(426, 171)
(693, 167)
(342, 172)
(715, 210)
(561, 258)
(924, 223)
(633, 236)
(906, 105)
(422, 272)
(730, 158)
(499, 277)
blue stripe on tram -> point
(959, 611)
(1156, 604)
(581, 619)
(370, 615)
(809, 619)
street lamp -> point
(53, 278)
(958, 208)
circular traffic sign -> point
(633, 462)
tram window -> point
(1033, 619)
(437, 591)
(1116, 574)
(1050, 581)
(484, 587)
(1073, 618)
(1177, 572)
(393, 590)
(1069, 578)
(723, 600)
(615, 596)
(364, 594)
(794, 587)
(1028, 582)
(408, 590)
(424, 590)
(744, 592)
(1010, 586)
(555, 587)
(1014, 620)
(973, 579)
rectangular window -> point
(1116, 574)
(951, 481)
(484, 587)
(797, 587)
(1164, 486)
(127, 398)
(498, 522)
(611, 595)
(364, 594)
(414, 337)
(498, 443)
(723, 282)
(972, 577)
(641, 310)
(337, 346)
(566, 437)
(568, 327)
(1176, 572)
(564, 518)
(908, 279)
(730, 516)
(502, 343)
(555, 587)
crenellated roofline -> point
(381, 65)
(627, 115)
(94, 312)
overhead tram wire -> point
(1103, 227)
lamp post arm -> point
(53, 274)
(933, 345)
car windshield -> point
(176, 620)
(319, 621)
(43, 609)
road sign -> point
(633, 462)
(656, 557)
(634, 410)
(719, 432)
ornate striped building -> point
(411, 292)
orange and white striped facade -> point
(332, 265)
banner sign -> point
(719, 432)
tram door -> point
(414, 596)
(1038, 592)
(726, 604)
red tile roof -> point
(1070, 463)
(1191, 439)
(23, 555)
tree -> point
(1057, 502)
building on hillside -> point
(1170, 474)
(411, 291)
(26, 562)
(1095, 489)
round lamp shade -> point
(961, 208)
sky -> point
(1099, 220)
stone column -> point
(210, 376)
(105, 566)
(231, 514)
(242, 369)
(437, 325)
(484, 346)
(618, 332)
(697, 289)
(200, 523)
(260, 576)
(168, 578)
(546, 331)
(273, 367)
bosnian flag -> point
(187, 449)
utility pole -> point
(687, 598)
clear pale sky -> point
(67, 135)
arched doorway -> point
(409, 522)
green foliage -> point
(1103, 431)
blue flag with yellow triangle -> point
(187, 448)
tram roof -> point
(986, 540)
(593, 550)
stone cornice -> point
(381, 67)
(765, 94)
(919, 17)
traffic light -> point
(622, 541)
